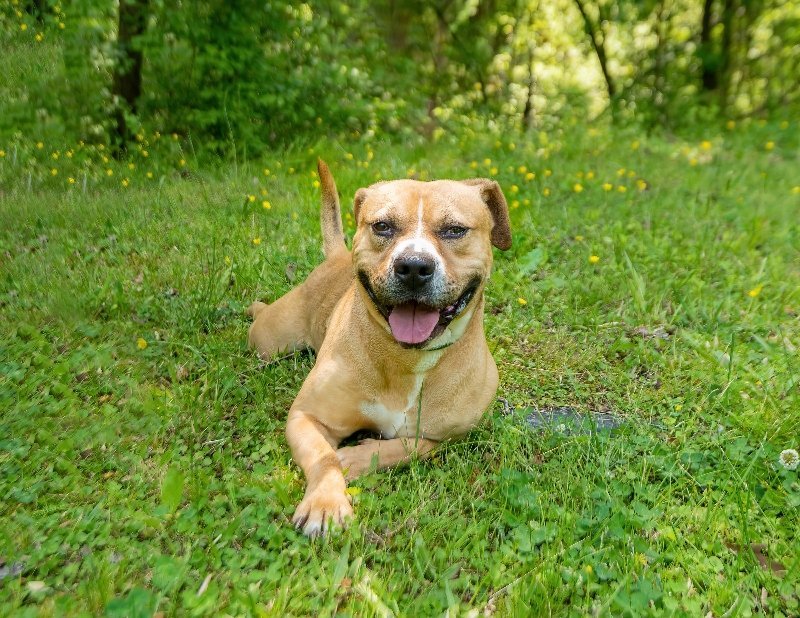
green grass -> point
(129, 476)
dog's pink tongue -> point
(412, 323)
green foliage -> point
(243, 78)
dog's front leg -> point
(325, 500)
(356, 460)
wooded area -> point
(256, 74)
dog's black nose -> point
(414, 271)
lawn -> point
(143, 466)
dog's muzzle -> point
(413, 319)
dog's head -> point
(423, 252)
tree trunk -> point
(592, 31)
(127, 86)
(724, 70)
(710, 78)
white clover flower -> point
(789, 459)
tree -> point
(594, 30)
(127, 79)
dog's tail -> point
(330, 214)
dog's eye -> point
(454, 231)
(381, 228)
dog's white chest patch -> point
(401, 423)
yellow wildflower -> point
(635, 145)
(39, 145)
(149, 174)
(141, 343)
(796, 190)
(594, 259)
(493, 171)
(54, 172)
(71, 180)
(257, 240)
(730, 125)
(769, 145)
(785, 124)
(621, 171)
(705, 145)
(316, 184)
(266, 172)
(251, 198)
(266, 205)
(125, 182)
(548, 173)
(131, 166)
(607, 186)
(348, 156)
(755, 291)
(692, 161)
(545, 191)
(2, 153)
(577, 187)
(514, 189)
(622, 188)
(530, 176)
(473, 164)
(487, 162)
(641, 185)
(109, 172)
(522, 301)
(522, 169)
(579, 238)
(590, 175)
(182, 162)
(145, 153)
(23, 27)
(228, 260)
(515, 204)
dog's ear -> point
(361, 195)
(495, 201)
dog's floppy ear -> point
(493, 197)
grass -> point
(143, 466)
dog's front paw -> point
(320, 509)
(358, 460)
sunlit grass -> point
(671, 299)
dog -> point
(397, 325)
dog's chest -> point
(396, 417)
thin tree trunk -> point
(724, 71)
(710, 78)
(661, 81)
(527, 113)
(592, 31)
(127, 86)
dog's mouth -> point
(412, 323)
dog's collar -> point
(441, 347)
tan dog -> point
(398, 330)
